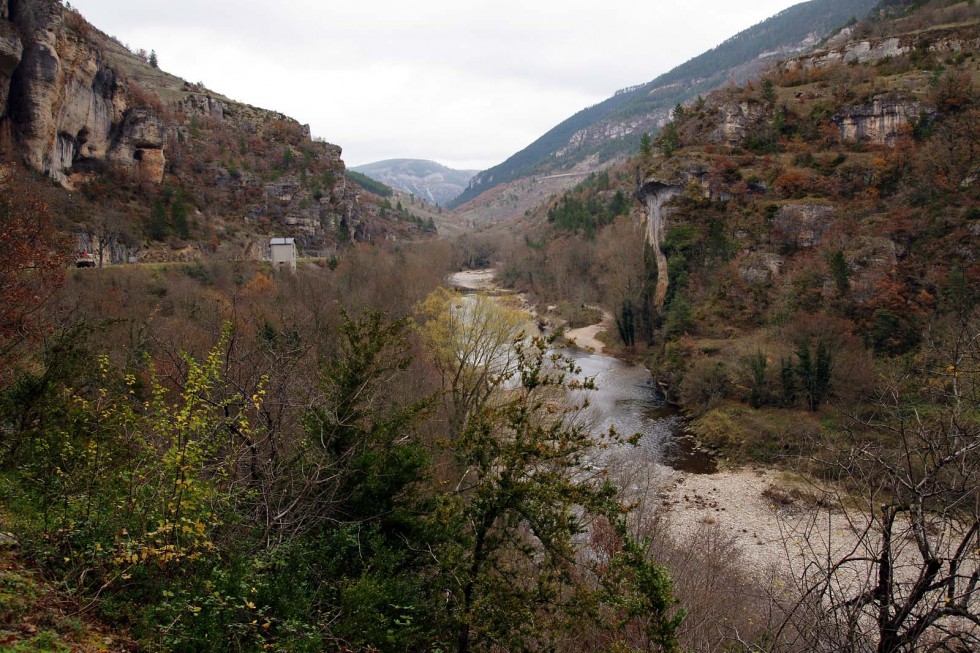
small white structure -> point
(283, 253)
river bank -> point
(770, 516)
(587, 337)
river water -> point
(625, 398)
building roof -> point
(282, 241)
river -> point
(625, 398)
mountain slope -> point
(149, 166)
(613, 127)
(428, 180)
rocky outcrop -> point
(63, 101)
(655, 194)
(139, 144)
(11, 52)
(759, 268)
(881, 120)
(75, 104)
(941, 40)
(803, 225)
(735, 119)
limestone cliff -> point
(145, 146)
(64, 103)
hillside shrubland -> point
(794, 222)
(212, 455)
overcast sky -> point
(465, 83)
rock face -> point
(735, 119)
(656, 192)
(936, 40)
(803, 225)
(77, 105)
(759, 268)
(882, 120)
(63, 104)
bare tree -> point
(906, 575)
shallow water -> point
(626, 398)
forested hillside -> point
(613, 127)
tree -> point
(669, 140)
(757, 365)
(33, 256)
(153, 59)
(814, 372)
(908, 478)
(838, 268)
(524, 498)
(178, 218)
(158, 227)
(363, 473)
(471, 341)
(768, 90)
(358, 455)
(646, 146)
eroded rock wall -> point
(61, 101)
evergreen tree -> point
(670, 140)
(178, 219)
(158, 227)
(646, 146)
(838, 268)
(814, 372)
(787, 383)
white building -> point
(283, 253)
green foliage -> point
(357, 432)
(626, 324)
(758, 382)
(669, 140)
(523, 502)
(158, 227)
(787, 383)
(646, 146)
(814, 372)
(369, 184)
(768, 90)
(838, 268)
(585, 209)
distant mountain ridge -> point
(613, 127)
(425, 179)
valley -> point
(697, 370)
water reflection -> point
(627, 399)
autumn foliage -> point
(33, 257)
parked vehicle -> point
(85, 260)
